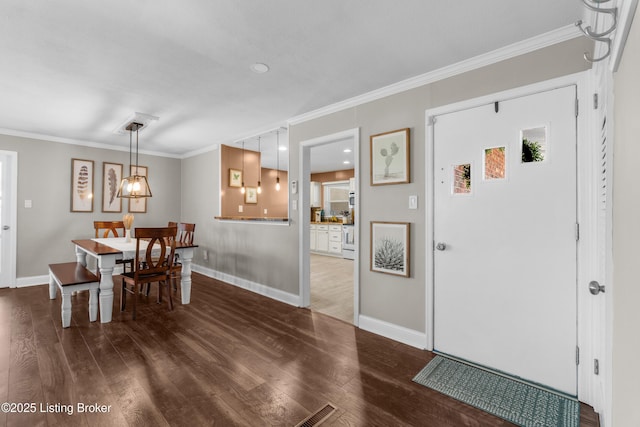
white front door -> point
(505, 233)
(8, 165)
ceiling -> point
(76, 70)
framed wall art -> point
(81, 185)
(139, 205)
(389, 157)
(251, 195)
(111, 177)
(235, 178)
(390, 247)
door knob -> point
(441, 246)
(595, 288)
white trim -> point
(511, 51)
(12, 222)
(626, 12)
(585, 200)
(394, 332)
(304, 215)
(24, 282)
(264, 290)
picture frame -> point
(390, 247)
(235, 178)
(111, 178)
(251, 195)
(138, 205)
(81, 185)
(389, 157)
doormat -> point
(512, 400)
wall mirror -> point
(259, 163)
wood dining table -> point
(108, 250)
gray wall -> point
(626, 235)
(268, 254)
(44, 176)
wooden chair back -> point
(185, 233)
(150, 265)
(109, 227)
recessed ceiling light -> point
(259, 68)
(282, 148)
(347, 150)
(346, 162)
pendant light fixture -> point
(259, 167)
(278, 160)
(242, 189)
(134, 186)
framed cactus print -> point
(389, 157)
(390, 247)
(111, 177)
(81, 185)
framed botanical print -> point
(139, 205)
(81, 185)
(251, 195)
(111, 177)
(390, 247)
(389, 157)
(235, 178)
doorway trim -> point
(12, 157)
(304, 215)
(586, 206)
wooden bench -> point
(71, 277)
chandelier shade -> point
(134, 186)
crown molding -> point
(50, 138)
(562, 34)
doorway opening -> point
(329, 225)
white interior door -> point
(8, 165)
(505, 232)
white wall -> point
(626, 235)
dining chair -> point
(150, 267)
(110, 228)
(184, 235)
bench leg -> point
(66, 308)
(93, 304)
(53, 287)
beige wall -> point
(44, 176)
(401, 301)
(626, 236)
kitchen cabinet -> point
(322, 238)
(313, 237)
(316, 194)
(335, 239)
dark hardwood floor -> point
(229, 358)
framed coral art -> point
(139, 205)
(81, 185)
(390, 247)
(389, 157)
(111, 177)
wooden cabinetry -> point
(313, 237)
(325, 239)
(335, 239)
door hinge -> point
(577, 355)
(577, 232)
(595, 101)
(577, 108)
(596, 366)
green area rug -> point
(512, 400)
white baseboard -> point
(23, 282)
(264, 290)
(394, 332)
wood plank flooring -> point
(230, 358)
(332, 286)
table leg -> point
(81, 256)
(106, 264)
(185, 275)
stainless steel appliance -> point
(348, 241)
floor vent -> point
(318, 417)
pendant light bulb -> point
(278, 184)
(242, 189)
(259, 188)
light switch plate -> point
(240, 208)
(413, 202)
(28, 204)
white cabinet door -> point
(315, 199)
(322, 239)
(313, 233)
